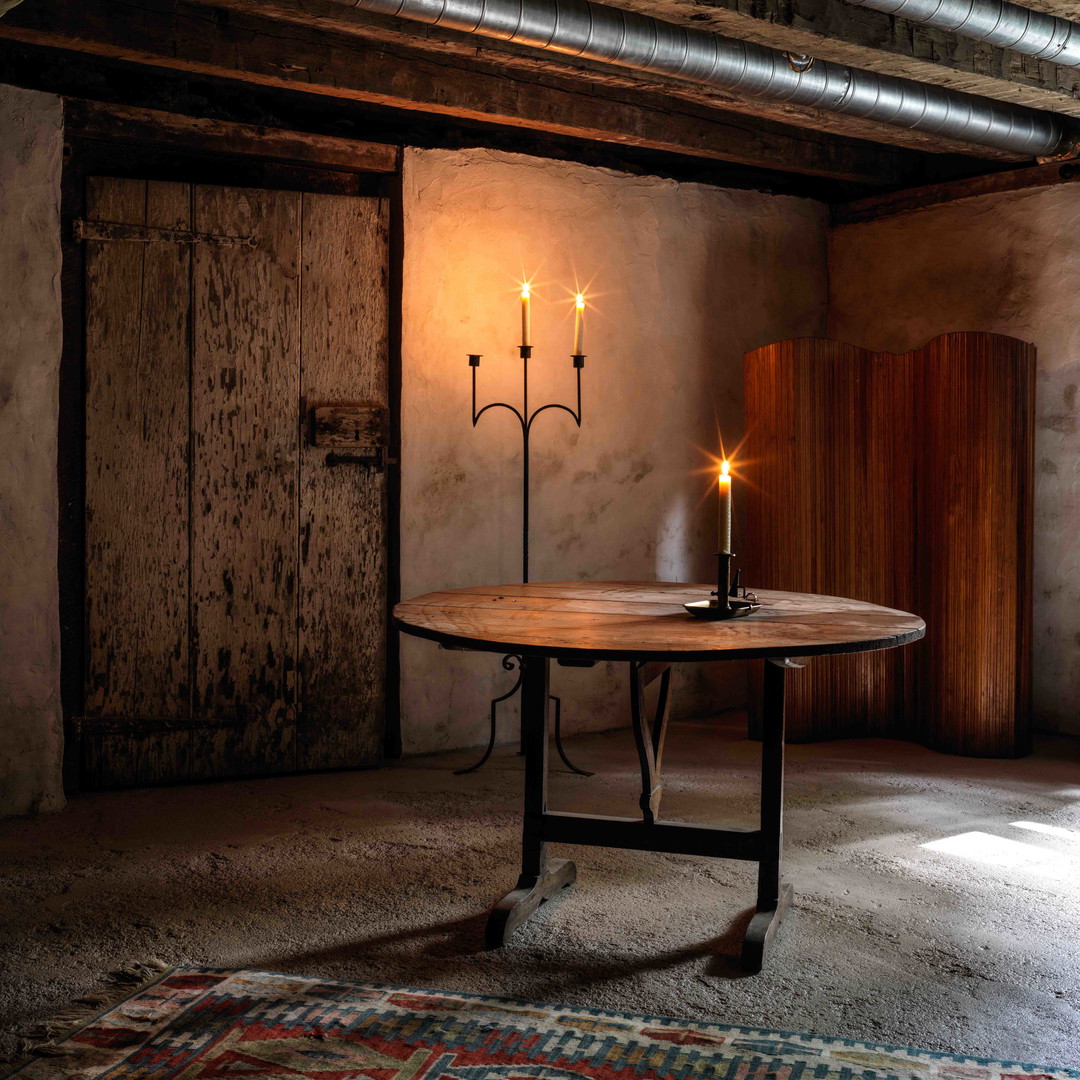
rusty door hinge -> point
(148, 234)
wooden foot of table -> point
(515, 907)
(762, 930)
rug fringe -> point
(43, 1038)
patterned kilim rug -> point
(203, 1024)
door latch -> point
(376, 460)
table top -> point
(633, 620)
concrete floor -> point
(386, 876)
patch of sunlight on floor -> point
(1009, 854)
(1048, 830)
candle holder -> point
(730, 599)
(526, 420)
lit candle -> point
(579, 325)
(526, 319)
(724, 525)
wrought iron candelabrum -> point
(526, 419)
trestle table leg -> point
(773, 896)
(540, 877)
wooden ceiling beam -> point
(196, 39)
(911, 199)
(125, 123)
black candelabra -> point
(526, 419)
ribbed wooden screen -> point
(235, 585)
(904, 480)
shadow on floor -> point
(457, 939)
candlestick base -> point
(726, 602)
(710, 609)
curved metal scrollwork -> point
(513, 662)
(509, 663)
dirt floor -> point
(937, 898)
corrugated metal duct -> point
(995, 22)
(614, 36)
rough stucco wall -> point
(683, 279)
(1009, 264)
(31, 731)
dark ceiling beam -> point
(133, 124)
(1064, 9)
(196, 39)
(859, 37)
(875, 207)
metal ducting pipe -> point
(994, 21)
(614, 36)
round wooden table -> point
(644, 624)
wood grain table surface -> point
(626, 620)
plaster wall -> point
(682, 279)
(1009, 264)
(31, 731)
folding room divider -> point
(904, 480)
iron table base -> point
(509, 662)
(541, 877)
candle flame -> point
(725, 471)
(580, 301)
(525, 294)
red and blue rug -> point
(204, 1024)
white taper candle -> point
(526, 317)
(724, 524)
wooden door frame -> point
(145, 144)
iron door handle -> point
(377, 461)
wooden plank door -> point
(137, 696)
(342, 646)
(245, 389)
(235, 584)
